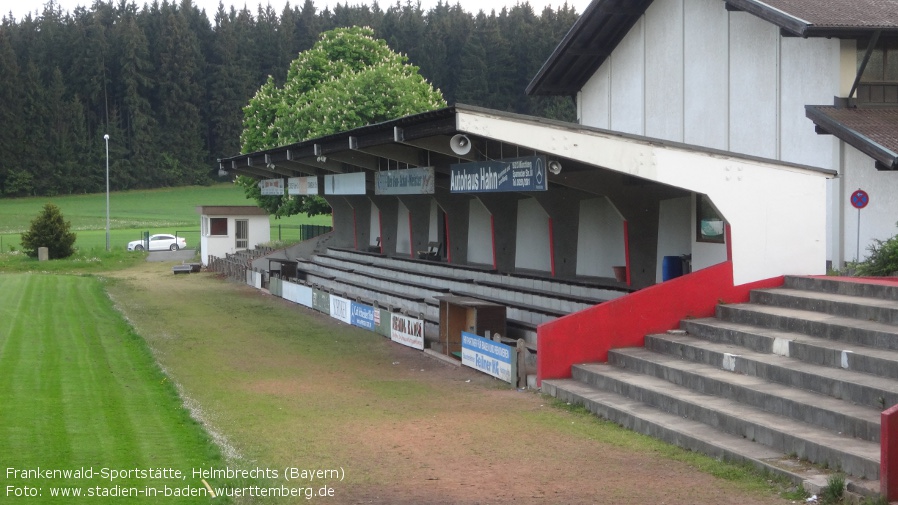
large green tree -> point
(346, 80)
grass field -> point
(81, 390)
(166, 210)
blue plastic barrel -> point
(671, 267)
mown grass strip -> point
(81, 390)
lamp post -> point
(106, 138)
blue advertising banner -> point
(515, 174)
(362, 315)
(489, 357)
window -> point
(709, 226)
(241, 226)
(218, 226)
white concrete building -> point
(755, 78)
(226, 229)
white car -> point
(159, 242)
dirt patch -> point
(290, 387)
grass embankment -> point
(166, 210)
(81, 390)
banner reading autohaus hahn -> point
(516, 174)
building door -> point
(241, 228)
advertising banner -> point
(340, 309)
(302, 186)
(412, 181)
(321, 301)
(362, 315)
(272, 187)
(490, 176)
(297, 293)
(407, 331)
(345, 184)
(489, 357)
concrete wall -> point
(533, 244)
(676, 230)
(600, 238)
(480, 234)
(403, 230)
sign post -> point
(859, 199)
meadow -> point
(165, 210)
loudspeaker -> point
(460, 144)
(555, 167)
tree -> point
(49, 230)
(346, 80)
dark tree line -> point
(168, 83)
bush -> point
(49, 230)
(883, 259)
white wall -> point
(433, 234)
(374, 225)
(532, 248)
(403, 239)
(676, 231)
(691, 71)
(600, 238)
(480, 234)
(878, 219)
(220, 245)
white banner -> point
(412, 181)
(345, 184)
(407, 331)
(272, 187)
(302, 186)
(297, 293)
(340, 309)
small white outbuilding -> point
(226, 229)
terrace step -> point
(802, 370)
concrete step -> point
(882, 288)
(826, 448)
(811, 349)
(686, 433)
(840, 328)
(863, 389)
(855, 307)
(828, 413)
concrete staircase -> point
(799, 374)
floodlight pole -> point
(106, 138)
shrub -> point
(49, 230)
(883, 259)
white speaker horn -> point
(460, 144)
(555, 167)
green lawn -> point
(80, 389)
(166, 210)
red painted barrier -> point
(888, 456)
(588, 335)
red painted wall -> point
(588, 335)
(888, 458)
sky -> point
(20, 8)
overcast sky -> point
(20, 8)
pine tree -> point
(49, 229)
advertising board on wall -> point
(490, 176)
(412, 181)
(489, 357)
(407, 331)
(321, 301)
(345, 184)
(272, 187)
(363, 316)
(340, 309)
(302, 186)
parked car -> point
(159, 242)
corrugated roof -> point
(873, 131)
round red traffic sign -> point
(860, 199)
